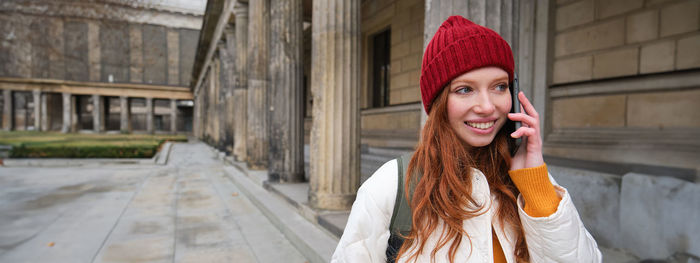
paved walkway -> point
(186, 211)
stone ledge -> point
(299, 223)
(637, 83)
(393, 109)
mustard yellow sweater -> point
(539, 195)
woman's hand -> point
(529, 154)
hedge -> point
(56, 145)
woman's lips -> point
(481, 127)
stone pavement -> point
(185, 211)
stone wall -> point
(626, 67)
(404, 19)
(81, 49)
(643, 216)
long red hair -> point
(444, 191)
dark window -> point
(379, 93)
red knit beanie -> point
(458, 46)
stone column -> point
(286, 161)
(227, 50)
(37, 109)
(124, 114)
(258, 63)
(45, 119)
(74, 110)
(67, 113)
(335, 133)
(173, 116)
(97, 113)
(240, 92)
(7, 111)
(149, 115)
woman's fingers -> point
(524, 131)
(527, 106)
(526, 119)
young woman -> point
(474, 202)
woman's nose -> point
(484, 105)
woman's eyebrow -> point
(460, 82)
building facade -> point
(119, 66)
(326, 91)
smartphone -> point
(516, 109)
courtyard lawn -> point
(32, 144)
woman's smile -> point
(478, 104)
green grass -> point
(32, 144)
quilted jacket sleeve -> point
(559, 237)
(367, 231)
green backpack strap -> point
(401, 219)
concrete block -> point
(412, 30)
(594, 37)
(55, 37)
(411, 62)
(623, 62)
(680, 18)
(574, 14)
(573, 69)
(400, 50)
(115, 42)
(395, 96)
(688, 55)
(76, 51)
(561, 2)
(41, 47)
(417, 46)
(94, 49)
(664, 109)
(410, 94)
(395, 36)
(611, 8)
(154, 55)
(391, 121)
(643, 26)
(656, 2)
(595, 111)
(657, 57)
(658, 216)
(135, 54)
(173, 44)
(188, 47)
(597, 199)
(400, 81)
(395, 67)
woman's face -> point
(478, 104)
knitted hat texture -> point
(458, 46)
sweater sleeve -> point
(367, 231)
(533, 183)
(553, 234)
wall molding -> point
(641, 83)
(393, 109)
(674, 148)
(99, 88)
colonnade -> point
(70, 111)
(267, 87)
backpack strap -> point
(401, 218)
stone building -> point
(120, 65)
(617, 84)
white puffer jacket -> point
(560, 237)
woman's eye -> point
(501, 87)
(463, 90)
